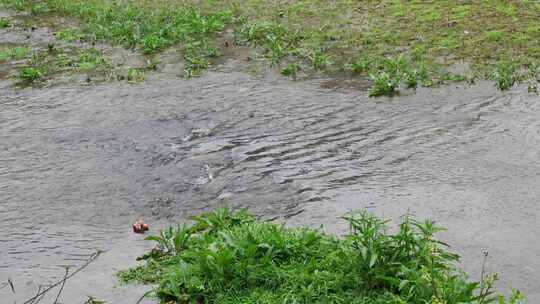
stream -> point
(80, 163)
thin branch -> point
(143, 296)
(62, 287)
(10, 282)
(483, 274)
(37, 294)
(92, 258)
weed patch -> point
(13, 53)
(317, 37)
(30, 74)
(504, 74)
(70, 34)
(133, 26)
(229, 257)
(4, 23)
(44, 64)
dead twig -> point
(143, 296)
(483, 274)
(37, 294)
(92, 258)
(62, 286)
(10, 282)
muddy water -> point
(79, 163)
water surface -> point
(79, 163)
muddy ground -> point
(80, 161)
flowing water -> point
(79, 163)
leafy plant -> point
(70, 34)
(172, 241)
(30, 74)
(135, 75)
(17, 52)
(4, 23)
(320, 60)
(195, 65)
(229, 257)
(504, 74)
(291, 70)
(383, 84)
(90, 59)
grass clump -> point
(14, 53)
(70, 34)
(230, 257)
(4, 23)
(291, 70)
(91, 59)
(135, 75)
(46, 64)
(388, 74)
(30, 74)
(504, 74)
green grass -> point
(91, 59)
(320, 37)
(227, 257)
(13, 53)
(504, 74)
(30, 74)
(135, 27)
(70, 34)
(46, 63)
(4, 23)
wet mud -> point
(79, 163)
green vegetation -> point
(134, 26)
(291, 70)
(30, 74)
(131, 75)
(70, 34)
(314, 36)
(13, 53)
(226, 257)
(36, 66)
(44, 64)
(91, 59)
(55, 60)
(4, 23)
(504, 74)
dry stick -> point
(37, 294)
(483, 274)
(62, 287)
(39, 298)
(143, 296)
(10, 282)
(90, 260)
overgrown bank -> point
(227, 257)
(396, 43)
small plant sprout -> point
(291, 70)
(504, 74)
(135, 75)
(30, 74)
(4, 23)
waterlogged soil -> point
(79, 162)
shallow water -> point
(80, 163)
